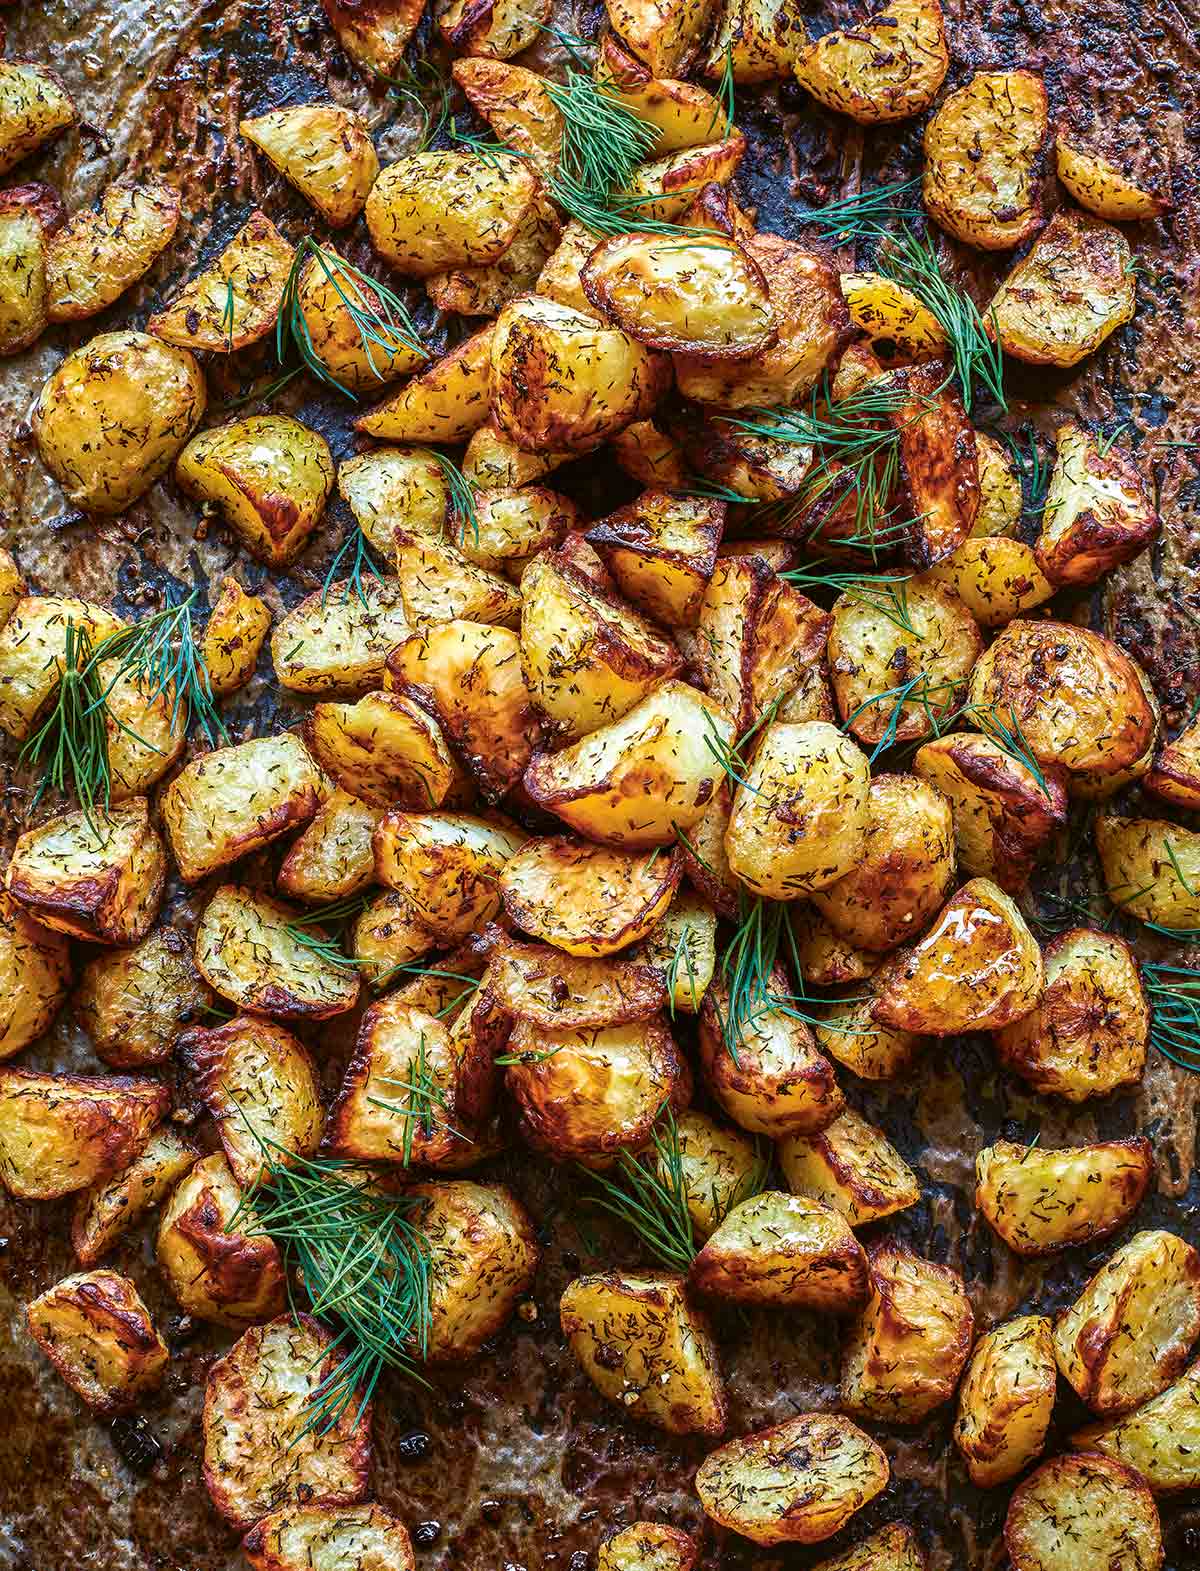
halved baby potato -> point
(894, 1548)
(898, 326)
(327, 1538)
(133, 1003)
(849, 1033)
(24, 289)
(34, 107)
(1042, 1201)
(1098, 184)
(516, 103)
(375, 35)
(664, 188)
(683, 949)
(324, 150)
(784, 1249)
(106, 1210)
(586, 899)
(1001, 503)
(759, 39)
(665, 34)
(1175, 773)
(1160, 1440)
(446, 402)
(852, 1166)
(1097, 513)
(984, 151)
(485, 290)
(547, 988)
(236, 630)
(235, 300)
(1083, 1510)
(333, 302)
(219, 1269)
(339, 640)
(887, 67)
(447, 866)
(438, 583)
(661, 549)
(512, 524)
(493, 460)
(61, 1133)
(98, 1334)
(429, 211)
(386, 938)
(250, 950)
(647, 1546)
(383, 749)
(1151, 869)
(1006, 1400)
(938, 469)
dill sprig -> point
(861, 216)
(1173, 993)
(681, 958)
(227, 316)
(71, 744)
(419, 1110)
(361, 562)
(886, 593)
(649, 1194)
(726, 91)
(323, 929)
(462, 497)
(413, 83)
(161, 654)
(1033, 475)
(731, 756)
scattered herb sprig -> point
(1173, 993)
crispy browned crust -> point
(111, 1303)
(42, 200)
(939, 472)
(1029, 818)
(115, 1122)
(239, 1268)
(626, 530)
(632, 991)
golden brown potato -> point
(250, 950)
(904, 1353)
(1083, 1511)
(111, 1206)
(758, 37)
(219, 1270)
(666, 35)
(1097, 511)
(901, 330)
(446, 865)
(852, 1166)
(516, 104)
(375, 34)
(133, 1003)
(100, 252)
(445, 403)
(893, 1548)
(493, 461)
(786, 1249)
(229, 802)
(439, 584)
(430, 211)
(145, 731)
(1006, 1399)
(34, 107)
(645, 1346)
(882, 674)
(1087, 1036)
(1100, 185)
(1072, 289)
(995, 578)
(333, 298)
(561, 278)
(661, 549)
(325, 151)
(332, 857)
(329, 1538)
(496, 29)
(235, 300)
(394, 487)
(1160, 1440)
(101, 879)
(339, 641)
(1175, 773)
(261, 1449)
(1042, 1201)
(1000, 500)
(60, 1133)
(682, 114)
(124, 381)
(1128, 1334)
(98, 1334)
(588, 1094)
(512, 524)
(24, 287)
(383, 749)
(683, 949)
(647, 1546)
(1097, 785)
(938, 469)
(544, 987)
(485, 290)
(236, 630)
(850, 1034)
(13, 588)
(1151, 869)
(984, 152)
(778, 1083)
(586, 899)
(795, 1484)
(387, 937)
(800, 815)
(665, 188)
(887, 67)
(976, 969)
(717, 1167)
(35, 973)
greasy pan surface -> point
(516, 1461)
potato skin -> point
(984, 154)
(661, 549)
(888, 67)
(666, 36)
(1097, 511)
(219, 1272)
(852, 1166)
(795, 1484)
(383, 749)
(1006, 1400)
(119, 382)
(34, 107)
(60, 1133)
(647, 1546)
(375, 35)
(1095, 1188)
(995, 578)
(324, 150)
(35, 973)
(1158, 1439)
(586, 899)
(1175, 773)
(323, 289)
(1082, 1510)
(446, 865)
(515, 103)
(24, 292)
(780, 1248)
(98, 1334)
(431, 211)
(112, 1205)
(133, 1003)
(323, 1538)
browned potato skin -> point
(984, 154)
(1097, 511)
(236, 630)
(588, 900)
(816, 1470)
(783, 1249)
(904, 1354)
(662, 550)
(375, 34)
(230, 1275)
(26, 217)
(540, 984)
(497, 29)
(35, 973)
(665, 36)
(893, 1548)
(321, 1538)
(1088, 1034)
(446, 403)
(888, 67)
(1142, 860)
(98, 254)
(1175, 774)
(60, 1133)
(1094, 1190)
(133, 1003)
(1080, 1510)
(516, 105)
(939, 470)
(98, 1334)
(383, 748)
(1006, 1400)
(852, 1166)
(324, 150)
(112, 1205)
(431, 211)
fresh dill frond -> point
(361, 562)
(649, 1194)
(70, 746)
(861, 216)
(681, 957)
(1004, 728)
(420, 1108)
(414, 83)
(726, 93)
(462, 498)
(1105, 439)
(162, 655)
(710, 490)
(1173, 858)
(1173, 993)
(323, 929)
(886, 593)
(1033, 474)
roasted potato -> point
(375, 35)
(1151, 869)
(666, 188)
(386, 938)
(382, 748)
(97, 876)
(938, 469)
(1128, 1334)
(1087, 1035)
(394, 487)
(662, 550)
(430, 211)
(888, 67)
(339, 641)
(24, 288)
(1083, 1511)
(666, 36)
(236, 630)
(439, 584)
(644, 1345)
(112, 1205)
(1041, 1201)
(984, 154)
(1101, 186)
(585, 1095)
(250, 950)
(795, 1484)
(445, 403)
(333, 300)
(852, 1166)
(850, 1034)
(446, 865)
(332, 857)
(647, 1546)
(996, 578)
(60, 1133)
(218, 1269)
(229, 802)
(516, 103)
(718, 1167)
(759, 39)
(133, 1003)
(899, 327)
(493, 461)
(512, 524)
(1174, 775)
(329, 1538)
(824, 957)
(100, 252)
(119, 382)
(98, 1334)
(261, 1449)
(1160, 1440)
(145, 731)
(34, 107)
(682, 114)
(1001, 504)
(1072, 289)
(483, 291)
(325, 151)
(544, 987)
(893, 1548)
(13, 588)
(496, 29)
(233, 301)
(1006, 1399)
(683, 949)
(903, 1354)
(35, 973)
(784, 1249)
(1097, 511)
(561, 277)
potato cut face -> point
(781, 1248)
(33, 651)
(661, 549)
(325, 151)
(445, 403)
(1160, 1440)
(220, 1270)
(644, 1345)
(984, 150)
(332, 857)
(254, 1410)
(34, 106)
(888, 67)
(647, 1546)
(996, 578)
(387, 936)
(1083, 1510)
(1097, 512)
(251, 271)
(1129, 1333)
(375, 36)
(899, 327)
(106, 1210)
(329, 296)
(24, 295)
(558, 992)
(1000, 500)
(893, 1548)
(501, 29)
(439, 584)
(1006, 1399)
(250, 951)
(1101, 186)
(485, 290)
(446, 865)
(1150, 868)
(35, 973)
(512, 524)
(1042, 1201)
(1067, 294)
(236, 630)
(795, 1484)
(99, 253)
(683, 949)
(340, 641)
(329, 1538)
(852, 1166)
(758, 38)
(665, 36)
(133, 1003)
(719, 1166)
(851, 1035)
(1087, 1035)
(383, 749)
(229, 802)
(396, 486)
(516, 104)
(60, 1133)
(494, 461)
(98, 1334)
(430, 211)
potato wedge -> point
(219, 1269)
(682, 114)
(539, 984)
(852, 1166)
(561, 278)
(375, 34)
(61, 1133)
(517, 105)
(1097, 513)
(333, 301)
(324, 1538)
(899, 328)
(665, 34)
(430, 211)
(496, 29)
(665, 187)
(795, 1484)
(236, 630)
(893, 1548)
(13, 588)
(850, 1034)
(586, 899)
(785, 1249)
(1083, 1510)
(1160, 1440)
(446, 865)
(98, 1334)
(384, 749)
(512, 524)
(996, 578)
(984, 154)
(1041, 1201)
(1174, 775)
(133, 1003)
(35, 107)
(661, 549)
(759, 38)
(386, 938)
(485, 290)
(249, 949)
(339, 641)
(494, 461)
(1006, 1399)
(439, 584)
(35, 973)
(1151, 869)
(24, 287)
(251, 272)
(888, 67)
(111, 1206)
(1100, 185)
(324, 150)
(444, 403)
(718, 1167)
(939, 472)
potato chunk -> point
(795, 1484)
(35, 973)
(543, 986)
(984, 150)
(329, 1538)
(893, 1548)
(517, 105)
(898, 326)
(850, 1034)
(1006, 1399)
(383, 749)
(1097, 511)
(24, 292)
(783, 1249)
(259, 1447)
(683, 950)
(439, 584)
(1128, 1334)
(903, 1355)
(98, 1334)
(430, 211)
(446, 865)
(646, 1347)
(250, 951)
(114, 1204)
(34, 107)
(852, 1166)
(647, 1546)
(995, 578)
(445, 403)
(483, 291)
(334, 298)
(119, 382)
(60, 1133)
(386, 937)
(230, 1273)
(375, 35)
(1100, 185)
(1088, 1034)
(325, 151)
(33, 652)
(235, 632)
(661, 549)
(133, 1003)
(339, 641)
(1160, 1440)
(888, 67)
(235, 300)
(99, 253)
(1042, 1201)
(1072, 289)
(393, 487)
(665, 35)
(1175, 773)
(1151, 869)
(1080, 1511)
(585, 899)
